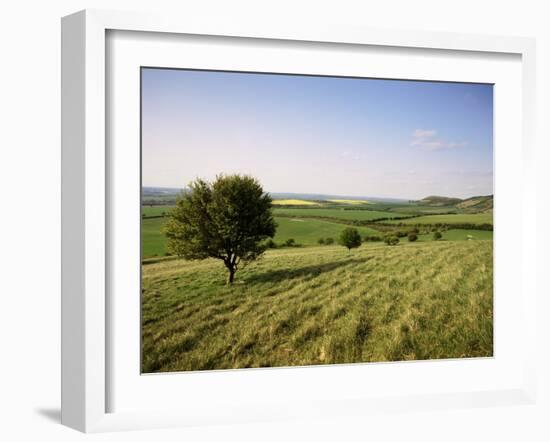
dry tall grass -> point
(320, 305)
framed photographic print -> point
(269, 223)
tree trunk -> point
(231, 276)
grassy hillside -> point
(476, 204)
(440, 201)
(320, 305)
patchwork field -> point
(338, 213)
(353, 202)
(307, 225)
(293, 202)
(321, 305)
(470, 218)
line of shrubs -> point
(446, 226)
(290, 242)
(392, 238)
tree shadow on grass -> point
(307, 272)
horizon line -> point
(347, 195)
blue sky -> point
(324, 135)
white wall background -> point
(30, 214)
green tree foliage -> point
(391, 239)
(350, 238)
(412, 236)
(290, 242)
(228, 219)
(329, 241)
(437, 235)
(321, 241)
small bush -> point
(391, 239)
(412, 237)
(437, 235)
(290, 242)
(270, 244)
(321, 241)
(329, 241)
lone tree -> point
(437, 235)
(350, 238)
(228, 219)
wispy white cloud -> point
(421, 133)
(428, 140)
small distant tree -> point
(350, 238)
(290, 242)
(391, 240)
(329, 241)
(229, 219)
(321, 241)
(412, 237)
(437, 235)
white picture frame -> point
(86, 353)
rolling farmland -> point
(311, 304)
(337, 213)
(307, 225)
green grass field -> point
(320, 305)
(359, 215)
(308, 231)
(304, 231)
(474, 218)
(459, 235)
(153, 242)
(155, 210)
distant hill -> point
(476, 204)
(435, 200)
(326, 197)
(149, 193)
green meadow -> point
(321, 305)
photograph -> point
(292, 220)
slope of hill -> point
(434, 200)
(476, 204)
(321, 306)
